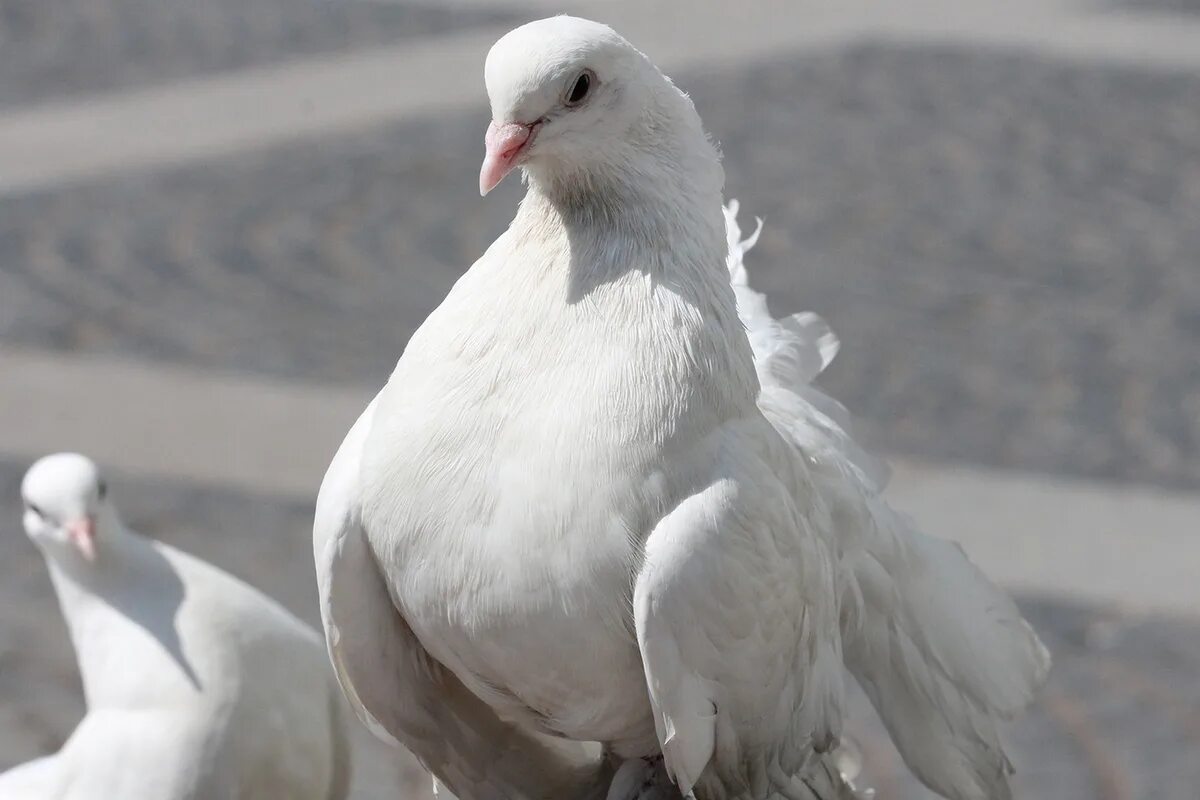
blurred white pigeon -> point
(34, 780)
(588, 505)
(197, 686)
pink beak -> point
(82, 533)
(505, 147)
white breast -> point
(512, 472)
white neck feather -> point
(663, 178)
(120, 611)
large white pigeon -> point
(198, 687)
(599, 499)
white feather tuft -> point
(789, 354)
(942, 653)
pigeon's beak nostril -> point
(504, 145)
(82, 533)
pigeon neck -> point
(113, 543)
(654, 215)
(115, 613)
(660, 182)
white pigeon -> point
(198, 687)
(34, 780)
(587, 505)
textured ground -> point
(60, 48)
(1178, 6)
(1006, 243)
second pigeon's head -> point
(571, 94)
(66, 505)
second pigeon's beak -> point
(505, 148)
(82, 533)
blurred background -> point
(220, 220)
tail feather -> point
(942, 653)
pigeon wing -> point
(737, 620)
(34, 780)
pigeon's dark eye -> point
(36, 510)
(579, 91)
(101, 490)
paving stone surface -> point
(64, 48)
(1171, 6)
(1006, 245)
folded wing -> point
(740, 684)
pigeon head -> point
(66, 504)
(568, 94)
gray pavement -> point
(70, 48)
(1170, 6)
(347, 89)
(1006, 246)
(994, 204)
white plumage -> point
(589, 506)
(34, 780)
(197, 686)
(942, 653)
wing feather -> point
(942, 652)
(736, 675)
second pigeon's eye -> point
(581, 88)
(101, 490)
(35, 510)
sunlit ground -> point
(995, 205)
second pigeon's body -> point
(197, 686)
(588, 505)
